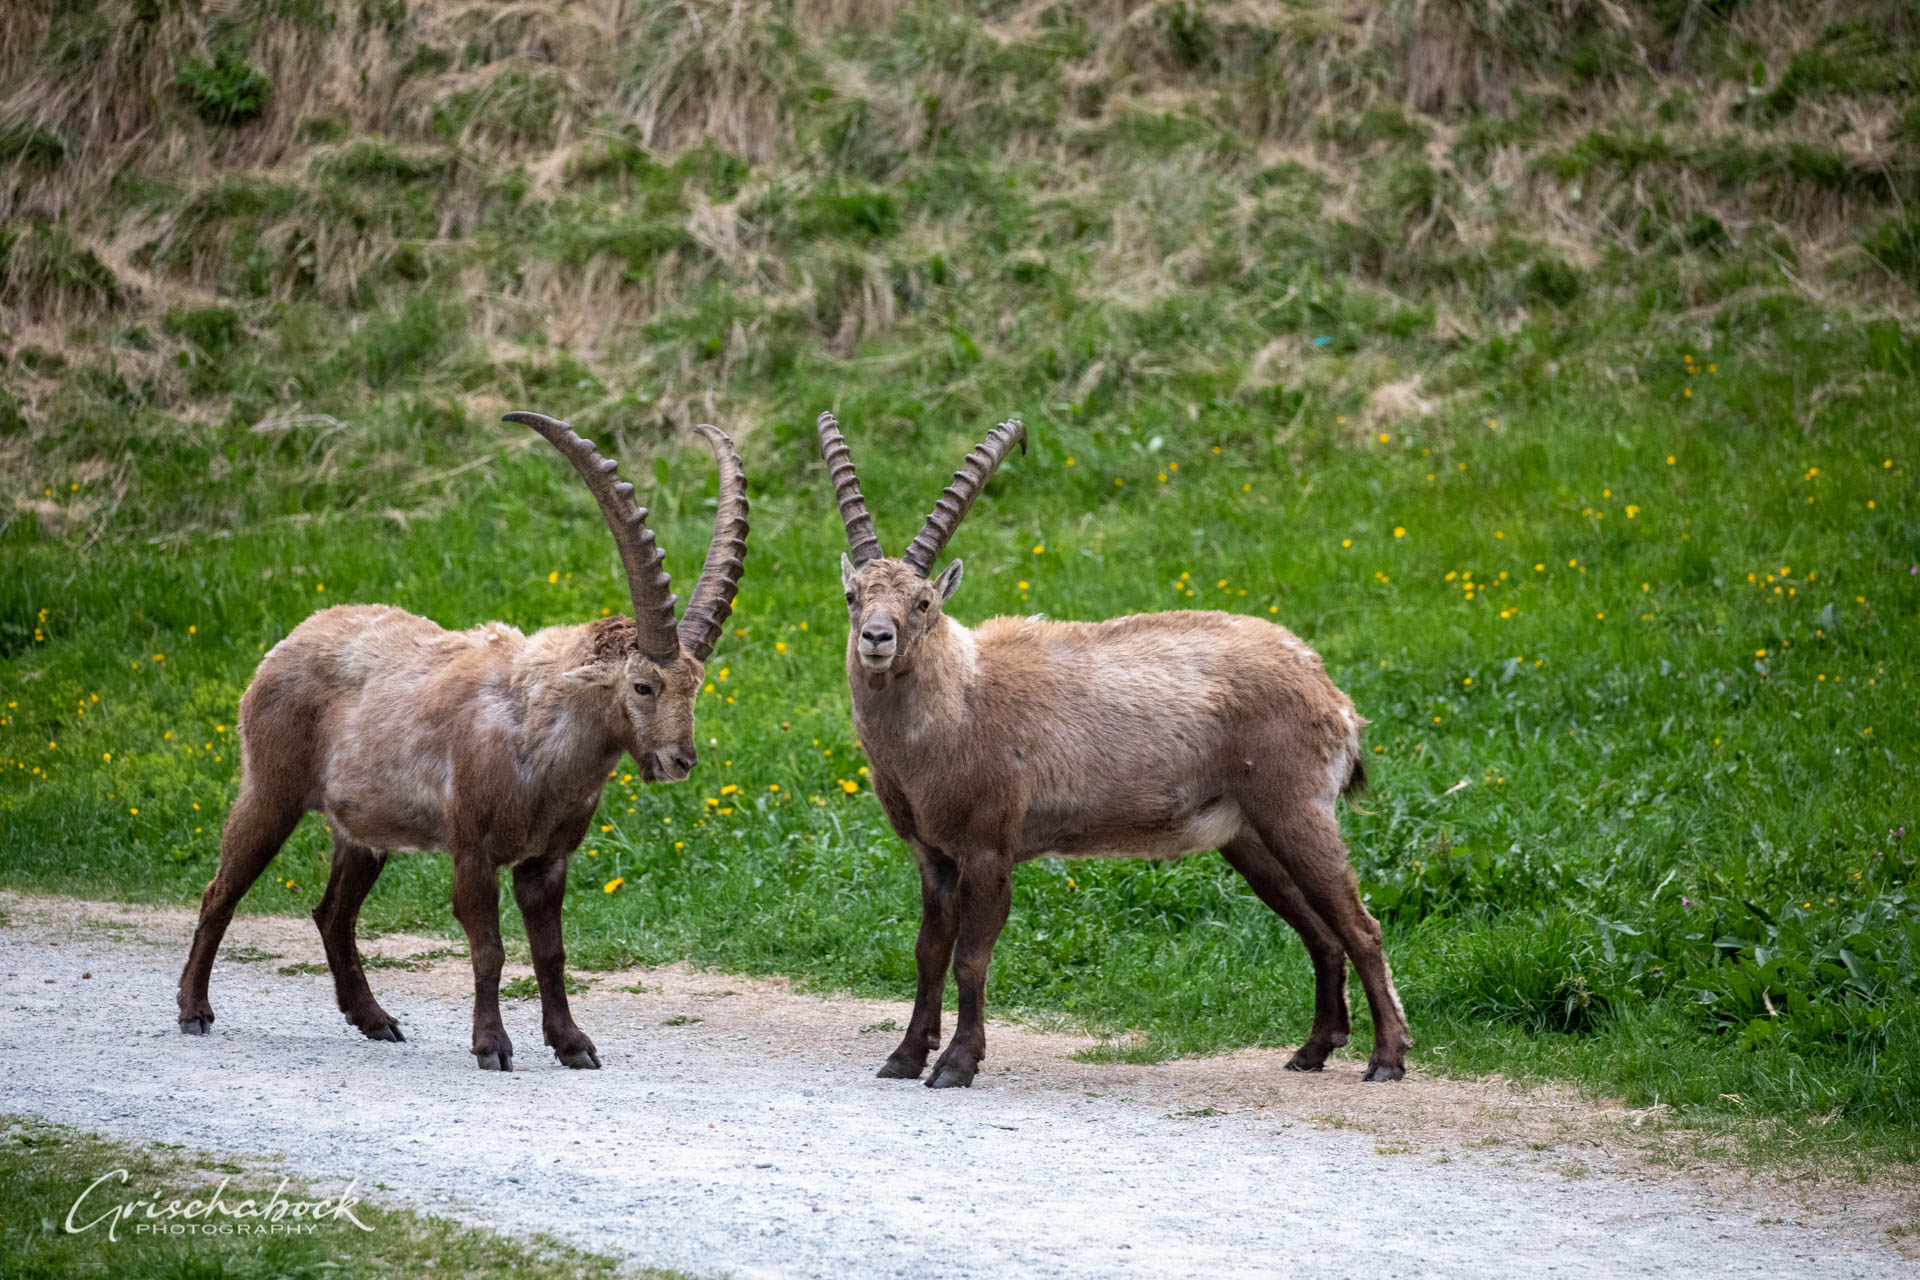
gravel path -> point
(699, 1149)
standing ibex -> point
(487, 743)
(1154, 735)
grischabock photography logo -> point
(219, 1211)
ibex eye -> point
(849, 597)
(644, 690)
(923, 605)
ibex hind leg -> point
(256, 828)
(1307, 841)
(1332, 1020)
(355, 868)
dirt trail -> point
(737, 1129)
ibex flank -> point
(489, 744)
(1154, 735)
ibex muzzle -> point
(675, 764)
(878, 639)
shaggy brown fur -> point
(487, 743)
(1154, 735)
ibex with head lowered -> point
(1154, 735)
(487, 743)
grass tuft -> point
(225, 90)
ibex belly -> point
(390, 799)
(1171, 835)
(386, 821)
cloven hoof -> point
(581, 1058)
(495, 1061)
(388, 1031)
(899, 1069)
(1301, 1062)
(951, 1078)
(196, 1025)
(1379, 1071)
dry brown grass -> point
(122, 107)
(471, 90)
(711, 71)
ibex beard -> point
(1154, 735)
(492, 745)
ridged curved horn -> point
(967, 483)
(862, 544)
(712, 600)
(647, 582)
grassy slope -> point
(45, 1169)
(1559, 394)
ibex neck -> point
(931, 693)
(567, 735)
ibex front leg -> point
(476, 905)
(539, 884)
(986, 895)
(939, 922)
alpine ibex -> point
(487, 743)
(1154, 735)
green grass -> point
(1632, 609)
(45, 1169)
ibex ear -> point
(948, 581)
(592, 673)
(846, 572)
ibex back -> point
(487, 743)
(1154, 735)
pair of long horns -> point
(706, 616)
(863, 544)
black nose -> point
(686, 757)
(877, 635)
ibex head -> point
(892, 603)
(647, 704)
(644, 672)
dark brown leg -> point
(1307, 841)
(939, 922)
(1332, 1020)
(986, 895)
(256, 828)
(355, 868)
(476, 905)
(539, 885)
